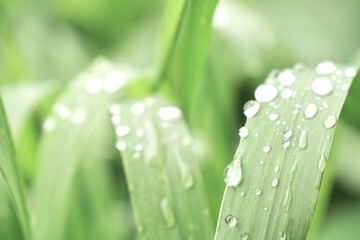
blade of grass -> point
(277, 170)
(76, 117)
(162, 171)
(10, 174)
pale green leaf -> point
(283, 156)
(162, 171)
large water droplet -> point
(167, 211)
(122, 130)
(310, 110)
(303, 139)
(243, 132)
(350, 72)
(286, 93)
(169, 113)
(266, 148)
(137, 109)
(265, 93)
(232, 173)
(230, 220)
(258, 191)
(322, 86)
(330, 122)
(325, 67)
(286, 78)
(251, 108)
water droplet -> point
(322, 86)
(139, 147)
(322, 163)
(244, 236)
(266, 208)
(350, 72)
(232, 173)
(251, 108)
(116, 119)
(266, 148)
(139, 132)
(295, 111)
(286, 144)
(310, 110)
(273, 116)
(167, 211)
(122, 130)
(330, 122)
(121, 145)
(345, 87)
(49, 124)
(303, 139)
(282, 236)
(93, 85)
(287, 133)
(186, 175)
(169, 113)
(230, 220)
(114, 109)
(276, 168)
(113, 81)
(137, 109)
(258, 191)
(286, 78)
(78, 116)
(265, 93)
(325, 67)
(274, 182)
(242, 194)
(243, 132)
(286, 93)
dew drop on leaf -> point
(243, 132)
(310, 110)
(276, 168)
(121, 145)
(287, 133)
(137, 109)
(265, 93)
(49, 124)
(273, 116)
(251, 108)
(330, 122)
(275, 182)
(258, 191)
(286, 144)
(93, 85)
(230, 220)
(116, 119)
(325, 67)
(244, 236)
(303, 139)
(322, 86)
(169, 113)
(286, 78)
(286, 93)
(232, 173)
(122, 130)
(350, 72)
(168, 213)
(266, 148)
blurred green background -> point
(44, 44)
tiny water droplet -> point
(243, 132)
(93, 85)
(265, 93)
(242, 194)
(330, 121)
(282, 236)
(251, 108)
(345, 87)
(258, 191)
(276, 168)
(232, 173)
(350, 72)
(244, 236)
(303, 139)
(266, 208)
(273, 116)
(286, 78)
(322, 86)
(116, 119)
(287, 133)
(139, 147)
(275, 182)
(49, 124)
(230, 220)
(122, 130)
(114, 109)
(121, 145)
(266, 148)
(325, 67)
(167, 211)
(169, 113)
(310, 110)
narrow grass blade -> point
(76, 118)
(162, 171)
(274, 180)
(10, 174)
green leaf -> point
(162, 171)
(10, 173)
(77, 117)
(275, 177)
